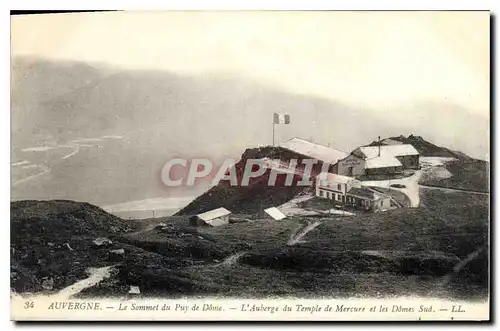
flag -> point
(281, 118)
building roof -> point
(329, 177)
(212, 214)
(280, 166)
(371, 152)
(382, 162)
(275, 213)
(364, 192)
(217, 222)
(315, 151)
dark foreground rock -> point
(52, 242)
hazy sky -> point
(378, 60)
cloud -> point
(376, 60)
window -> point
(339, 187)
(320, 193)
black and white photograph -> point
(278, 165)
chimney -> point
(379, 146)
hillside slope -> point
(253, 198)
(400, 252)
(54, 239)
(466, 172)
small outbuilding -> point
(216, 217)
(383, 165)
(134, 290)
(275, 213)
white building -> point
(334, 187)
(347, 191)
(379, 159)
(309, 150)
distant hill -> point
(250, 199)
(424, 147)
(161, 115)
(60, 220)
(467, 173)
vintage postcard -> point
(250, 165)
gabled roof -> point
(382, 162)
(389, 141)
(365, 192)
(329, 177)
(371, 152)
(210, 215)
(315, 151)
(275, 213)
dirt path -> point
(232, 259)
(459, 266)
(411, 186)
(293, 203)
(76, 149)
(297, 238)
(146, 229)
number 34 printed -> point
(29, 304)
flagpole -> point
(273, 130)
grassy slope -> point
(411, 250)
(54, 239)
(419, 246)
